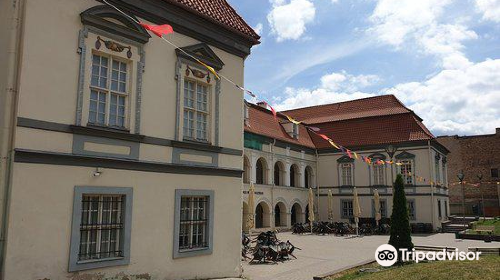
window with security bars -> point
(378, 175)
(411, 209)
(101, 227)
(346, 172)
(108, 91)
(196, 111)
(194, 218)
(405, 169)
(347, 211)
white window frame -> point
(110, 93)
(346, 174)
(408, 179)
(196, 131)
(378, 174)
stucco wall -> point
(41, 213)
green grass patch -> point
(487, 268)
(492, 222)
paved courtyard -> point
(324, 254)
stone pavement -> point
(323, 254)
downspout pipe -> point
(431, 175)
(9, 102)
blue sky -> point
(440, 57)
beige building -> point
(120, 155)
(284, 159)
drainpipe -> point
(317, 180)
(9, 102)
(271, 150)
(432, 185)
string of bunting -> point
(162, 30)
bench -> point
(485, 251)
(487, 229)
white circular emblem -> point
(386, 255)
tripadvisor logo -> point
(387, 255)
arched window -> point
(278, 170)
(294, 175)
(260, 169)
(246, 170)
(308, 177)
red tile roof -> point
(389, 129)
(220, 12)
(367, 107)
(363, 122)
(261, 121)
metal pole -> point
(463, 200)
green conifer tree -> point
(400, 222)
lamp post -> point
(461, 179)
(391, 150)
(480, 177)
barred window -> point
(101, 227)
(193, 232)
(411, 209)
(378, 175)
(108, 91)
(405, 169)
(346, 172)
(347, 211)
(196, 111)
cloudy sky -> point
(440, 57)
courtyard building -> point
(120, 154)
(476, 155)
(284, 159)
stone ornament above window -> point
(113, 46)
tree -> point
(400, 222)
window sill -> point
(107, 132)
(193, 250)
(99, 260)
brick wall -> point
(474, 155)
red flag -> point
(349, 153)
(272, 110)
(323, 136)
(158, 30)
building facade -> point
(284, 160)
(120, 154)
(474, 156)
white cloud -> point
(259, 28)
(490, 9)
(410, 23)
(459, 101)
(335, 87)
(454, 101)
(288, 20)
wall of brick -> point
(474, 155)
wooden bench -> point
(487, 229)
(485, 251)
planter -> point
(486, 238)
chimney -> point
(498, 131)
(262, 104)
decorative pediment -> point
(405, 155)
(345, 159)
(202, 52)
(377, 156)
(108, 19)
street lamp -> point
(461, 177)
(391, 150)
(480, 177)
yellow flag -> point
(292, 120)
(210, 69)
(333, 144)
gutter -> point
(11, 95)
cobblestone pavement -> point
(323, 254)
